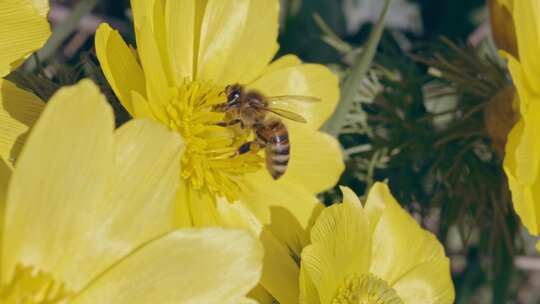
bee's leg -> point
(231, 123)
(255, 146)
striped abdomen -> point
(277, 148)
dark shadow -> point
(21, 106)
(282, 222)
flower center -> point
(209, 162)
(365, 289)
(29, 286)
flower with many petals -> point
(187, 53)
(372, 253)
(375, 253)
(88, 217)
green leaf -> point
(350, 87)
(62, 30)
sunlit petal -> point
(311, 80)
(180, 18)
(77, 125)
(188, 266)
(96, 200)
(427, 284)
(522, 193)
(316, 160)
(238, 40)
(117, 61)
(24, 29)
(399, 243)
(527, 22)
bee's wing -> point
(292, 98)
(286, 114)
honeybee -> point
(250, 109)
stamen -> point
(33, 287)
(210, 162)
(365, 289)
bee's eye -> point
(233, 96)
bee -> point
(250, 109)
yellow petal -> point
(19, 111)
(316, 161)
(98, 188)
(141, 107)
(523, 87)
(318, 273)
(180, 27)
(237, 215)
(238, 40)
(527, 149)
(282, 62)
(509, 4)
(289, 209)
(195, 208)
(375, 205)
(75, 128)
(42, 7)
(246, 301)
(527, 21)
(188, 266)
(427, 283)
(523, 195)
(144, 183)
(143, 12)
(261, 295)
(5, 176)
(399, 243)
(160, 34)
(308, 290)
(120, 68)
(280, 271)
(182, 213)
(343, 231)
(306, 80)
(158, 90)
(22, 32)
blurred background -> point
(430, 116)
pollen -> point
(365, 289)
(210, 162)
(29, 286)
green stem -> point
(359, 70)
(62, 30)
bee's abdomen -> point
(278, 149)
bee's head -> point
(233, 93)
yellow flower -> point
(88, 217)
(24, 29)
(188, 52)
(375, 253)
(522, 160)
